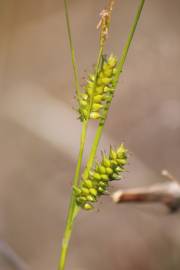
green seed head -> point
(84, 96)
(94, 115)
(109, 171)
(83, 103)
(97, 176)
(81, 199)
(105, 177)
(90, 92)
(87, 206)
(113, 154)
(112, 61)
(114, 176)
(122, 161)
(98, 98)
(91, 198)
(108, 72)
(101, 190)
(96, 107)
(88, 183)
(122, 151)
(94, 98)
(106, 80)
(84, 191)
(106, 162)
(76, 190)
(114, 163)
(119, 169)
(99, 89)
(102, 184)
(101, 169)
(92, 77)
(93, 191)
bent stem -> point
(120, 68)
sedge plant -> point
(93, 104)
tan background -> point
(39, 134)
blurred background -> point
(39, 134)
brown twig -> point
(167, 193)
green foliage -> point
(99, 90)
(98, 179)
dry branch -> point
(167, 193)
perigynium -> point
(93, 103)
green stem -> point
(73, 59)
(73, 209)
(93, 150)
(119, 67)
(130, 37)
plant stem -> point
(119, 67)
(73, 209)
(73, 59)
(130, 37)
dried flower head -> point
(104, 23)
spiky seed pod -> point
(97, 181)
(98, 91)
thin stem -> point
(93, 150)
(130, 37)
(119, 67)
(73, 59)
(73, 209)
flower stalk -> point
(120, 66)
(94, 103)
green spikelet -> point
(98, 91)
(97, 181)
